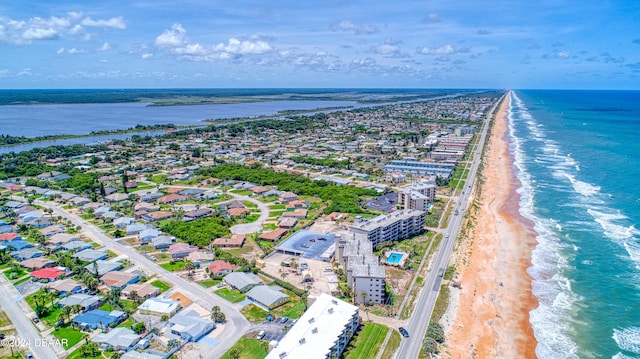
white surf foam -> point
(628, 339)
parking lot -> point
(307, 244)
(273, 330)
(384, 203)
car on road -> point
(36, 320)
(304, 245)
(441, 272)
(404, 332)
(29, 356)
(312, 240)
(260, 335)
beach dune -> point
(491, 314)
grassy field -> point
(161, 285)
(173, 267)
(209, 282)
(278, 206)
(392, 345)
(293, 309)
(232, 295)
(253, 313)
(73, 336)
(4, 319)
(249, 349)
(368, 342)
(242, 192)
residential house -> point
(268, 297)
(117, 339)
(156, 216)
(148, 207)
(286, 197)
(148, 234)
(135, 228)
(144, 290)
(288, 222)
(52, 230)
(116, 197)
(259, 189)
(199, 257)
(119, 280)
(159, 307)
(38, 263)
(74, 246)
(103, 267)
(242, 281)
(219, 268)
(192, 192)
(274, 235)
(181, 250)
(296, 213)
(91, 255)
(80, 201)
(161, 242)
(48, 274)
(199, 213)
(235, 203)
(86, 301)
(172, 198)
(151, 197)
(190, 326)
(62, 238)
(97, 318)
(26, 253)
(122, 222)
(238, 212)
(10, 236)
(66, 286)
(236, 241)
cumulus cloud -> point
(105, 47)
(358, 29)
(25, 32)
(388, 49)
(431, 18)
(442, 50)
(177, 42)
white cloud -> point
(388, 49)
(563, 54)
(177, 42)
(21, 32)
(105, 47)
(115, 22)
(431, 18)
(146, 56)
(442, 50)
(25, 72)
(172, 38)
(346, 25)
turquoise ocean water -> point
(576, 155)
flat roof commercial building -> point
(365, 275)
(322, 332)
(391, 227)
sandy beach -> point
(490, 316)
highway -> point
(419, 321)
(236, 324)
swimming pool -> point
(394, 258)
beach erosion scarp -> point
(490, 315)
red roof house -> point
(50, 274)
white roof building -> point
(159, 306)
(323, 330)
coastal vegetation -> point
(198, 232)
(340, 198)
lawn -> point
(269, 226)
(254, 314)
(173, 266)
(73, 336)
(126, 324)
(249, 348)
(77, 355)
(278, 206)
(208, 283)
(268, 199)
(250, 204)
(4, 319)
(293, 309)
(392, 345)
(161, 285)
(232, 295)
(250, 218)
(369, 341)
(242, 192)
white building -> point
(322, 332)
(365, 275)
(392, 227)
(417, 196)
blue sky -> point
(381, 44)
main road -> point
(236, 324)
(419, 321)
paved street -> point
(419, 321)
(236, 325)
(27, 333)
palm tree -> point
(61, 318)
(66, 310)
(188, 266)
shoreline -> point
(490, 316)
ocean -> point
(576, 155)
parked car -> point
(260, 335)
(404, 332)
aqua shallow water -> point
(394, 258)
(576, 157)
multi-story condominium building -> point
(440, 169)
(391, 227)
(322, 332)
(417, 196)
(365, 275)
